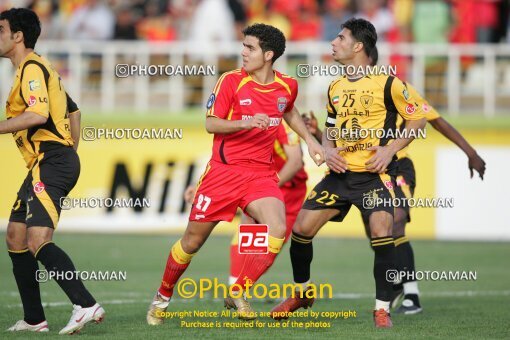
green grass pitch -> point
(452, 309)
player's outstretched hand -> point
(316, 151)
(476, 162)
(189, 193)
(334, 161)
(259, 120)
(380, 161)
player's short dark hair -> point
(363, 31)
(26, 21)
(374, 56)
(270, 38)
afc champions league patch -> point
(210, 101)
(388, 185)
(282, 104)
(39, 187)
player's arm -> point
(34, 93)
(292, 165)
(415, 120)
(224, 126)
(474, 160)
(75, 120)
(24, 121)
(332, 153)
(293, 118)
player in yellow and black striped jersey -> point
(406, 182)
(44, 122)
(361, 165)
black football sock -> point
(56, 260)
(301, 255)
(384, 260)
(405, 257)
(24, 267)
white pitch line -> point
(338, 296)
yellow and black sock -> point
(24, 267)
(56, 260)
(301, 255)
(384, 260)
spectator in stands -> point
(335, 12)
(125, 24)
(93, 21)
(240, 17)
(306, 25)
(380, 16)
(212, 23)
(157, 24)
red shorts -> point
(225, 187)
(293, 198)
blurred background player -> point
(45, 125)
(240, 172)
(406, 184)
(359, 169)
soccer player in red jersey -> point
(243, 112)
(288, 162)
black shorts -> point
(52, 177)
(363, 189)
(406, 183)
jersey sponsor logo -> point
(32, 101)
(211, 100)
(335, 100)
(282, 104)
(410, 109)
(34, 85)
(351, 134)
(39, 187)
(245, 102)
(405, 93)
(253, 239)
(199, 216)
(388, 185)
(43, 100)
(425, 107)
(272, 121)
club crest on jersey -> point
(366, 101)
(210, 101)
(282, 104)
(410, 109)
(34, 85)
(39, 187)
(32, 101)
(425, 107)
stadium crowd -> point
(457, 21)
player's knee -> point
(399, 223)
(13, 240)
(191, 245)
